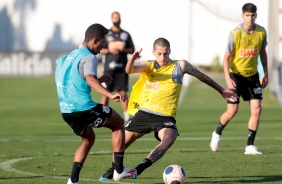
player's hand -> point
(118, 97)
(136, 55)
(106, 79)
(231, 84)
(230, 95)
(264, 82)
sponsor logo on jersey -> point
(248, 53)
(152, 86)
(64, 105)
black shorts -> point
(120, 81)
(95, 117)
(144, 123)
(247, 87)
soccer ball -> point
(174, 174)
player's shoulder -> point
(124, 31)
(260, 28)
(237, 29)
(183, 63)
(88, 58)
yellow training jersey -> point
(244, 58)
(156, 90)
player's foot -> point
(214, 141)
(135, 176)
(108, 175)
(126, 173)
(70, 182)
(252, 150)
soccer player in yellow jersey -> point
(154, 99)
(246, 42)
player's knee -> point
(232, 113)
(257, 110)
(88, 142)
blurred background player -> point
(245, 43)
(76, 74)
(154, 99)
(118, 44)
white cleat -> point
(126, 173)
(252, 150)
(214, 141)
(70, 182)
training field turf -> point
(37, 147)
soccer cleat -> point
(70, 182)
(214, 141)
(126, 173)
(135, 176)
(108, 175)
(252, 150)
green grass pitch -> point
(37, 147)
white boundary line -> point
(8, 167)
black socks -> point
(143, 165)
(219, 128)
(251, 137)
(76, 167)
(118, 161)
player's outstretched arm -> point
(137, 68)
(186, 67)
(96, 85)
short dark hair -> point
(249, 7)
(95, 31)
(115, 12)
(161, 42)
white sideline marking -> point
(8, 166)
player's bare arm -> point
(135, 68)
(263, 56)
(106, 79)
(229, 82)
(186, 67)
(96, 85)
